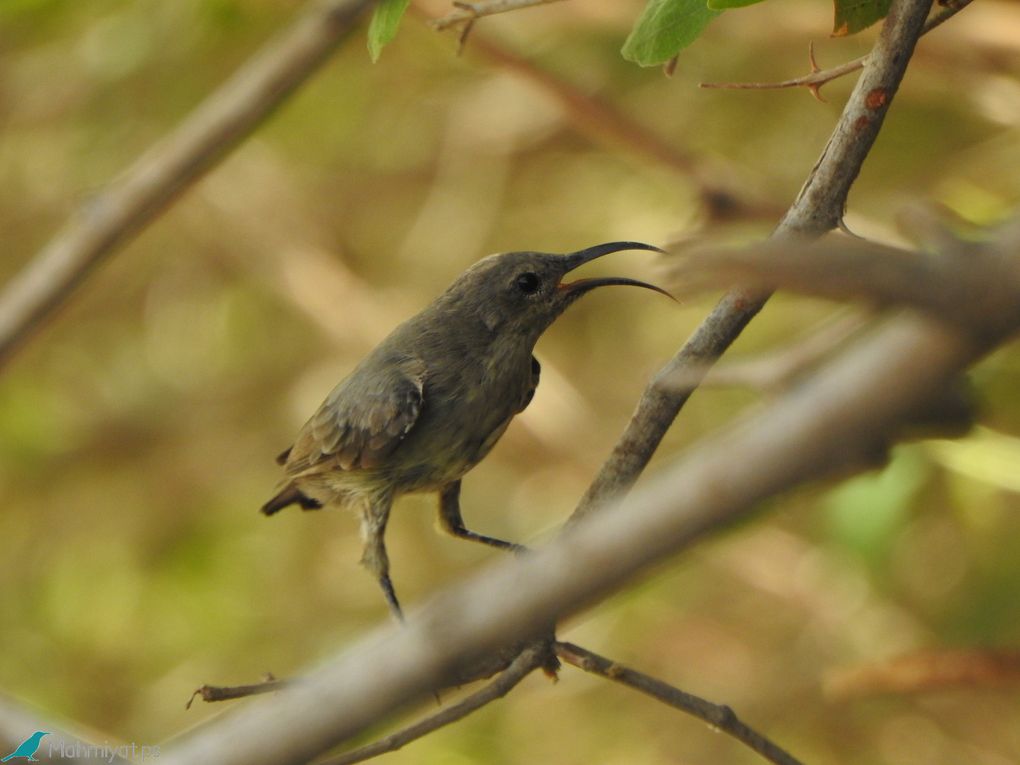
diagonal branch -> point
(65, 744)
(817, 209)
(145, 189)
(719, 717)
(530, 658)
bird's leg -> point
(449, 516)
(374, 515)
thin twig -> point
(210, 693)
(817, 209)
(466, 13)
(168, 168)
(819, 77)
(719, 716)
(530, 659)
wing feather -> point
(364, 419)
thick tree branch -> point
(817, 209)
(966, 286)
(169, 167)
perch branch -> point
(819, 77)
(817, 209)
(718, 716)
(145, 189)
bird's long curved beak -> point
(579, 258)
(584, 285)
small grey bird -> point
(430, 401)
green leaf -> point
(665, 28)
(722, 5)
(854, 15)
(384, 25)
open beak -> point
(579, 258)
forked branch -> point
(819, 77)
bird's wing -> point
(363, 420)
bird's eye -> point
(528, 283)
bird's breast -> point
(463, 415)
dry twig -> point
(718, 716)
(529, 659)
(210, 693)
(819, 77)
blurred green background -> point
(138, 430)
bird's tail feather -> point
(289, 495)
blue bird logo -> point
(28, 747)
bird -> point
(429, 402)
(28, 747)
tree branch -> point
(17, 723)
(535, 655)
(819, 77)
(817, 209)
(132, 201)
(529, 659)
(718, 716)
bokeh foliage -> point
(137, 431)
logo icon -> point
(27, 748)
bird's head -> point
(522, 293)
